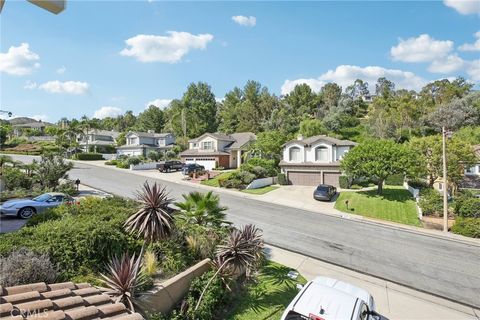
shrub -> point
(16, 179)
(469, 227)
(21, 193)
(123, 165)
(430, 201)
(173, 256)
(88, 156)
(238, 179)
(270, 166)
(133, 160)
(470, 208)
(112, 162)
(48, 215)
(24, 266)
(417, 184)
(82, 239)
(344, 182)
(395, 180)
(282, 179)
(68, 187)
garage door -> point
(209, 163)
(305, 178)
(331, 178)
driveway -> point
(300, 197)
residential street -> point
(443, 267)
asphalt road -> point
(446, 268)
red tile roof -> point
(60, 301)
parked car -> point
(172, 165)
(26, 208)
(324, 192)
(192, 168)
(326, 299)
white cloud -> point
(421, 49)
(40, 117)
(160, 103)
(107, 111)
(30, 85)
(289, 85)
(345, 75)
(19, 60)
(449, 64)
(61, 70)
(68, 87)
(471, 46)
(473, 70)
(169, 49)
(464, 6)
(250, 21)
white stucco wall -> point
(286, 152)
(310, 152)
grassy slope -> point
(214, 181)
(262, 190)
(268, 298)
(396, 204)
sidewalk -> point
(393, 301)
(280, 196)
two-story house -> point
(213, 150)
(140, 143)
(471, 179)
(314, 160)
(100, 140)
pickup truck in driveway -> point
(168, 166)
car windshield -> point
(322, 188)
(292, 315)
(42, 198)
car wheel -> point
(26, 213)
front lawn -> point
(214, 181)
(268, 297)
(262, 190)
(396, 204)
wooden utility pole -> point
(445, 181)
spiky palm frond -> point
(203, 209)
(123, 278)
(153, 220)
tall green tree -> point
(311, 127)
(228, 111)
(151, 119)
(378, 159)
(330, 94)
(304, 102)
(201, 107)
(269, 145)
(384, 87)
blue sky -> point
(78, 62)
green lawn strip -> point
(262, 190)
(396, 204)
(268, 297)
(214, 181)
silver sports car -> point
(26, 208)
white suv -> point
(330, 299)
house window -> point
(207, 145)
(470, 170)
(321, 154)
(440, 186)
(294, 154)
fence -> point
(144, 166)
(416, 194)
(167, 294)
(263, 182)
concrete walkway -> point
(290, 196)
(393, 301)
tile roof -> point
(204, 153)
(333, 141)
(108, 133)
(218, 136)
(241, 139)
(60, 301)
(150, 134)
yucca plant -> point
(203, 209)
(153, 220)
(150, 263)
(241, 251)
(123, 278)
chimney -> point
(300, 137)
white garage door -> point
(209, 163)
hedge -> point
(395, 180)
(469, 227)
(79, 239)
(343, 182)
(282, 179)
(470, 208)
(88, 156)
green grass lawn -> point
(268, 297)
(396, 204)
(214, 181)
(262, 190)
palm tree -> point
(202, 209)
(153, 220)
(123, 278)
(241, 251)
